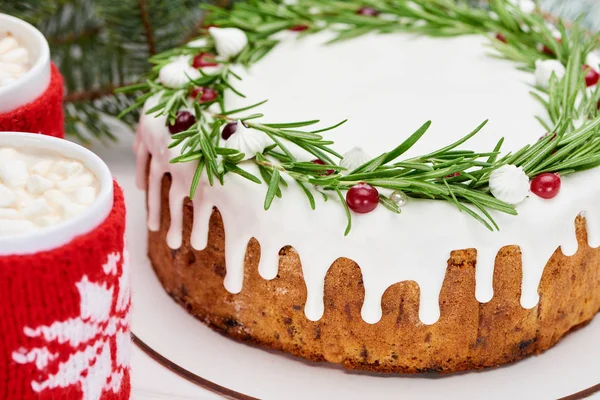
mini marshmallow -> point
(37, 184)
(42, 168)
(55, 197)
(67, 169)
(78, 181)
(8, 198)
(36, 207)
(13, 173)
(9, 213)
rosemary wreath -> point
(451, 173)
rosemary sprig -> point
(451, 173)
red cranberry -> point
(229, 130)
(362, 198)
(183, 122)
(321, 162)
(501, 37)
(204, 60)
(592, 76)
(368, 11)
(204, 95)
(454, 175)
(299, 28)
(546, 185)
(548, 51)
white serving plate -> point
(573, 365)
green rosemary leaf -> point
(239, 110)
(389, 204)
(293, 124)
(407, 144)
(329, 128)
(311, 199)
(231, 167)
(348, 214)
(273, 186)
(196, 179)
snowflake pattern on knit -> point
(90, 338)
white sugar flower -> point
(354, 159)
(509, 184)
(544, 69)
(229, 41)
(248, 141)
(178, 73)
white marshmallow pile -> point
(38, 190)
(14, 59)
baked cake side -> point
(469, 335)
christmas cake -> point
(390, 229)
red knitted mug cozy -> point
(64, 318)
(43, 115)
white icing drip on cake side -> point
(387, 86)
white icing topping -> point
(229, 41)
(40, 189)
(248, 141)
(509, 184)
(178, 73)
(544, 69)
(14, 59)
(407, 87)
(354, 159)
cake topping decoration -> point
(353, 159)
(362, 198)
(184, 121)
(509, 184)
(368, 11)
(14, 59)
(204, 60)
(229, 41)
(204, 94)
(546, 185)
(545, 69)
(399, 198)
(591, 75)
(229, 130)
(246, 140)
(178, 73)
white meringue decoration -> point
(198, 43)
(544, 70)
(178, 73)
(354, 159)
(248, 141)
(229, 41)
(509, 184)
(527, 6)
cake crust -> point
(469, 335)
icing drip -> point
(389, 248)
